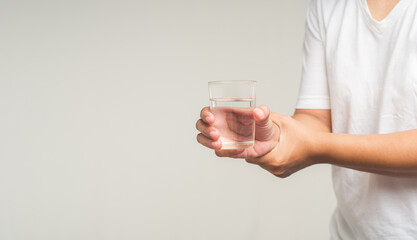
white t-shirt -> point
(365, 71)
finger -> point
(207, 130)
(205, 141)
(265, 128)
(233, 153)
(261, 114)
(206, 115)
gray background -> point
(98, 104)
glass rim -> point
(232, 82)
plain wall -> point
(98, 104)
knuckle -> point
(276, 170)
(284, 175)
(200, 139)
(218, 153)
(251, 160)
(203, 111)
(280, 172)
(197, 124)
(210, 129)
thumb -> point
(263, 123)
(261, 114)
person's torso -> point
(372, 77)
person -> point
(356, 110)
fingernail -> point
(213, 134)
(208, 119)
(216, 144)
(259, 112)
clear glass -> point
(232, 103)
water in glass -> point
(234, 120)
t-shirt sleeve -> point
(314, 90)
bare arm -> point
(315, 119)
(392, 154)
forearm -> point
(389, 154)
(313, 122)
(316, 120)
(392, 154)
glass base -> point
(236, 145)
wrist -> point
(320, 146)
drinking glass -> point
(232, 103)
